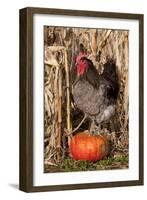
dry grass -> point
(61, 46)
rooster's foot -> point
(94, 128)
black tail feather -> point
(111, 76)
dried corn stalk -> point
(53, 96)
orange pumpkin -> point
(84, 146)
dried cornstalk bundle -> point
(54, 92)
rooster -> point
(95, 94)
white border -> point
(40, 178)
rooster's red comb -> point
(81, 55)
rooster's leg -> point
(94, 128)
